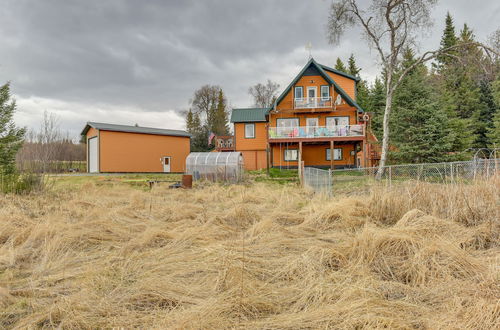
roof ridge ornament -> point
(308, 48)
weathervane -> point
(308, 48)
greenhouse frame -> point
(215, 166)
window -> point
(249, 131)
(337, 121)
(291, 155)
(299, 92)
(287, 122)
(325, 92)
(337, 154)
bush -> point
(24, 183)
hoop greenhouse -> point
(215, 166)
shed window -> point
(249, 131)
(291, 155)
(337, 154)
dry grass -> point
(259, 256)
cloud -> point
(126, 59)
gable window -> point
(325, 92)
(249, 131)
(337, 154)
(299, 92)
(291, 155)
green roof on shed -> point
(249, 115)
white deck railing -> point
(312, 102)
(314, 132)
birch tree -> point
(389, 26)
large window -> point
(287, 122)
(325, 92)
(337, 154)
(299, 92)
(337, 121)
(249, 131)
(291, 155)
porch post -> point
(268, 159)
(299, 164)
(331, 154)
(365, 160)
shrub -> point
(17, 183)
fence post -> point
(390, 176)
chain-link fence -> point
(449, 172)
(320, 181)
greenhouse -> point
(215, 166)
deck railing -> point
(315, 132)
(312, 102)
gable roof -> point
(248, 115)
(133, 129)
(321, 70)
(340, 73)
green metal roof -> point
(134, 129)
(327, 77)
(341, 73)
(248, 115)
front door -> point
(166, 164)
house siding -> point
(313, 155)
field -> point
(103, 252)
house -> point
(125, 149)
(315, 114)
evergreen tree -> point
(449, 39)
(376, 104)
(198, 132)
(420, 128)
(494, 132)
(11, 137)
(353, 69)
(483, 117)
(339, 65)
(219, 120)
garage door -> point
(93, 155)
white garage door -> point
(93, 155)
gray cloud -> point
(140, 61)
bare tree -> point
(390, 26)
(264, 95)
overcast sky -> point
(129, 61)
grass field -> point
(105, 251)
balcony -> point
(312, 102)
(316, 132)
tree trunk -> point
(385, 139)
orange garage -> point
(126, 149)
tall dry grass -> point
(259, 256)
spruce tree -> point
(494, 131)
(376, 104)
(483, 117)
(352, 69)
(11, 137)
(339, 65)
(420, 128)
(219, 120)
(449, 39)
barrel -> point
(187, 181)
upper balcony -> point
(340, 132)
(312, 102)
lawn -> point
(104, 252)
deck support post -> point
(268, 158)
(332, 153)
(299, 163)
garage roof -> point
(133, 129)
